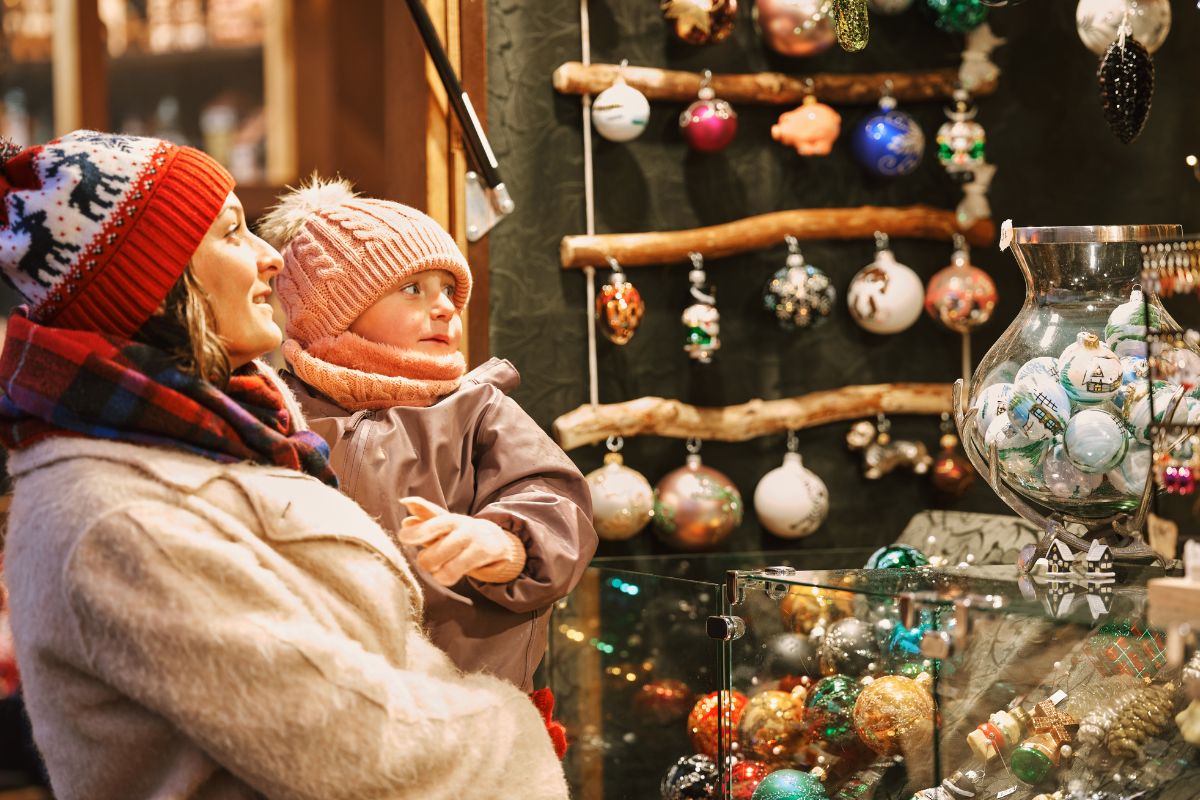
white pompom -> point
(285, 219)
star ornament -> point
(690, 15)
(1048, 719)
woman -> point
(198, 613)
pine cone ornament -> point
(1148, 714)
(1126, 87)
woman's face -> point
(234, 267)
(419, 316)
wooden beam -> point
(767, 230)
(80, 71)
(772, 88)
(473, 75)
(406, 90)
(657, 416)
(279, 93)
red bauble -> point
(952, 473)
(706, 715)
(961, 297)
(747, 775)
(663, 701)
(709, 125)
(620, 309)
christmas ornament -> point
(961, 296)
(1125, 331)
(791, 784)
(622, 499)
(1098, 22)
(790, 654)
(1135, 379)
(1042, 365)
(960, 140)
(807, 609)
(619, 306)
(746, 775)
(1063, 479)
(811, 128)
(713, 716)
(701, 21)
(1097, 722)
(1147, 715)
(1089, 370)
(1047, 718)
(849, 648)
(691, 778)
(1126, 86)
(888, 143)
(1017, 452)
(709, 124)
(1129, 477)
(852, 24)
(791, 501)
(1035, 759)
(1039, 407)
(799, 295)
(881, 455)
(796, 28)
(663, 701)
(894, 714)
(974, 205)
(1002, 731)
(992, 403)
(889, 7)
(1095, 441)
(696, 507)
(957, 16)
(1137, 410)
(1188, 722)
(1127, 648)
(885, 296)
(952, 473)
(828, 713)
(701, 318)
(770, 726)
(896, 556)
(620, 113)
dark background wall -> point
(1058, 165)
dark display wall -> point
(1058, 164)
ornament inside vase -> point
(701, 21)
(960, 140)
(622, 498)
(1099, 21)
(799, 295)
(885, 296)
(795, 28)
(709, 124)
(696, 507)
(811, 128)
(1126, 86)
(620, 113)
(889, 143)
(701, 318)
(961, 296)
(790, 500)
(619, 306)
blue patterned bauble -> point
(889, 143)
(790, 784)
(1089, 370)
(1125, 331)
(1096, 441)
(1129, 477)
(1135, 379)
(1039, 407)
(1042, 365)
(991, 403)
(691, 778)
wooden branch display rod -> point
(657, 416)
(768, 230)
(768, 88)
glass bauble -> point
(1096, 441)
(696, 507)
(619, 308)
(796, 28)
(620, 113)
(1126, 77)
(691, 778)
(849, 648)
(894, 714)
(712, 713)
(799, 295)
(829, 713)
(889, 143)
(812, 128)
(885, 296)
(961, 141)
(951, 473)
(961, 296)
(790, 654)
(896, 556)
(771, 725)
(1097, 22)
(709, 124)
(790, 500)
(1089, 370)
(790, 784)
(958, 16)
(701, 21)
(1080, 280)
(703, 338)
(746, 775)
(622, 499)
(663, 701)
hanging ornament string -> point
(589, 202)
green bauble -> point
(958, 16)
(1030, 765)
(790, 784)
(897, 556)
(829, 713)
(1125, 332)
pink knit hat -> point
(342, 253)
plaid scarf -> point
(60, 382)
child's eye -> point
(448, 291)
(410, 288)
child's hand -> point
(454, 545)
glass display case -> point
(909, 682)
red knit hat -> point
(95, 228)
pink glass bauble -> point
(796, 28)
(811, 129)
(696, 507)
(961, 296)
(709, 125)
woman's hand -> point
(454, 545)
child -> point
(495, 515)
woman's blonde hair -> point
(185, 327)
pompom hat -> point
(342, 253)
(95, 228)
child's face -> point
(419, 316)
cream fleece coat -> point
(191, 629)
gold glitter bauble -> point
(894, 713)
(771, 724)
(805, 606)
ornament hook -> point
(693, 445)
(793, 441)
(615, 443)
(706, 91)
(881, 242)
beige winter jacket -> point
(191, 629)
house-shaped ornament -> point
(1059, 558)
(1099, 560)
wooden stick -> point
(767, 230)
(765, 87)
(658, 416)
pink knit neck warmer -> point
(359, 374)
